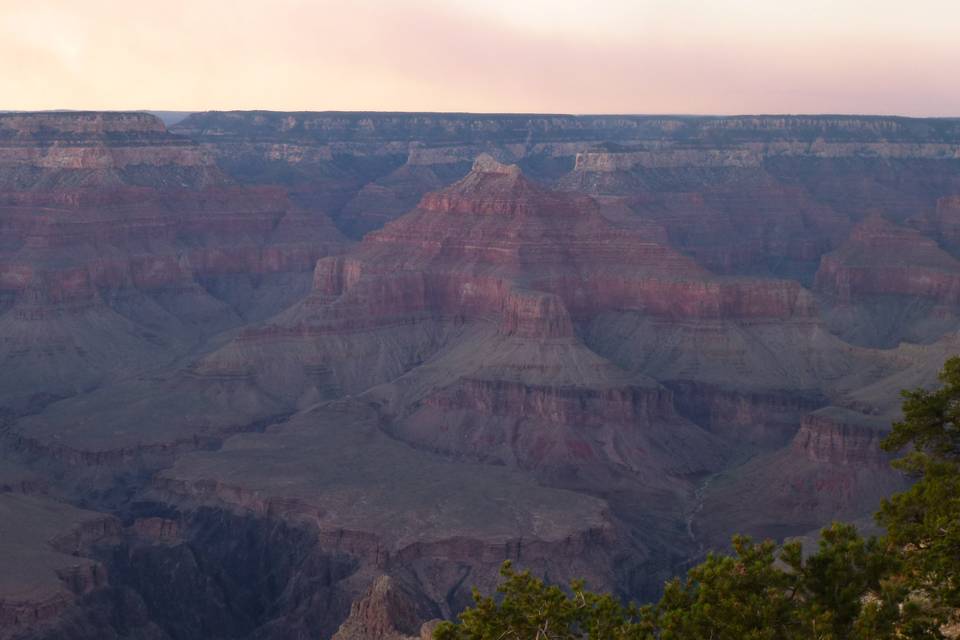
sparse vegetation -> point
(905, 584)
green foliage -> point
(730, 597)
(759, 593)
(904, 585)
(762, 593)
(834, 584)
(528, 609)
(924, 521)
(931, 423)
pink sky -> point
(598, 56)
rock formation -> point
(881, 258)
(386, 612)
(42, 576)
(595, 346)
(833, 468)
(121, 244)
(888, 283)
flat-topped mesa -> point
(659, 158)
(333, 126)
(57, 151)
(843, 438)
(494, 188)
(80, 124)
(882, 258)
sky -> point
(543, 56)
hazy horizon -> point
(186, 112)
(730, 57)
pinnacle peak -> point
(485, 163)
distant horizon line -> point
(824, 114)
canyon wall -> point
(317, 374)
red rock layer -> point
(135, 239)
(571, 406)
(555, 428)
(531, 314)
(112, 200)
(44, 151)
(766, 417)
(881, 258)
(496, 244)
(387, 611)
(833, 469)
(831, 440)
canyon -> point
(318, 374)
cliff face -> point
(107, 215)
(435, 127)
(595, 346)
(943, 223)
(386, 612)
(889, 283)
(379, 502)
(42, 576)
(882, 258)
(496, 226)
(42, 151)
(834, 465)
(826, 438)
(497, 250)
(374, 167)
(556, 429)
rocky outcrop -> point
(121, 245)
(40, 550)
(881, 258)
(753, 155)
(766, 417)
(496, 230)
(839, 438)
(535, 315)
(370, 167)
(437, 127)
(376, 503)
(387, 611)
(944, 223)
(721, 206)
(557, 342)
(558, 430)
(833, 468)
(163, 530)
(55, 150)
(231, 230)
